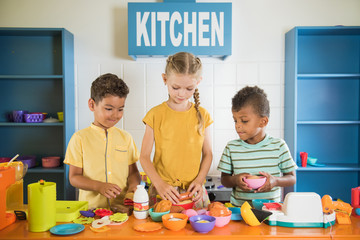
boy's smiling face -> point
(249, 125)
(108, 111)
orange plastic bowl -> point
(50, 162)
(174, 221)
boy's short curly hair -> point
(108, 84)
(253, 96)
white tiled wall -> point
(220, 82)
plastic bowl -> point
(4, 159)
(157, 216)
(311, 160)
(202, 227)
(186, 205)
(255, 183)
(50, 162)
(221, 221)
(28, 160)
(259, 203)
(172, 224)
(235, 213)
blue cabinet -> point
(322, 107)
(37, 75)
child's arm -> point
(196, 185)
(231, 181)
(134, 178)
(287, 180)
(165, 190)
(77, 180)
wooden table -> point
(234, 230)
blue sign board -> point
(162, 29)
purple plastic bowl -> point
(202, 227)
(18, 116)
(28, 160)
(33, 117)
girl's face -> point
(249, 125)
(181, 87)
(108, 111)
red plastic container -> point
(4, 159)
(185, 206)
(51, 162)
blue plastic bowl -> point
(235, 213)
(157, 216)
(259, 203)
(202, 227)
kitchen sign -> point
(162, 29)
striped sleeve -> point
(225, 164)
(286, 163)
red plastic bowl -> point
(4, 159)
(50, 162)
(186, 206)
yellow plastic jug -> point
(41, 206)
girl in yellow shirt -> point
(180, 131)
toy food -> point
(162, 206)
(185, 196)
(176, 209)
(148, 227)
(217, 209)
(190, 212)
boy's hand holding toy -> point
(269, 184)
(109, 190)
(241, 183)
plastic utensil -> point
(13, 159)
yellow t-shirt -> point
(178, 146)
(102, 157)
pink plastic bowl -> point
(255, 183)
(50, 162)
(221, 221)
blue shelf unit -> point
(37, 75)
(322, 107)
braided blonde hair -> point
(187, 63)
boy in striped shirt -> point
(255, 153)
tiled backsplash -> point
(220, 82)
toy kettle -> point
(41, 206)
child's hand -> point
(197, 190)
(167, 192)
(269, 184)
(240, 181)
(109, 190)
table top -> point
(234, 230)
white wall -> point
(100, 31)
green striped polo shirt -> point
(271, 155)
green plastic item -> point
(67, 211)
(41, 206)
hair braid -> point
(198, 113)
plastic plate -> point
(67, 229)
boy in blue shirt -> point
(255, 153)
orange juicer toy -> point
(14, 194)
(7, 178)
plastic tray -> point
(67, 211)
